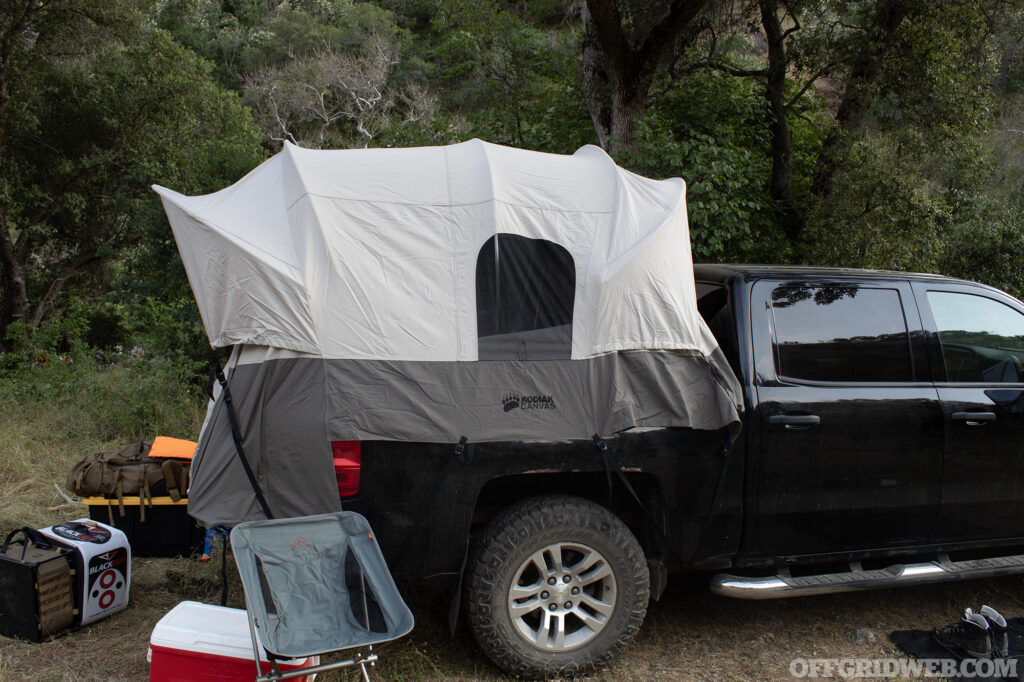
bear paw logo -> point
(510, 402)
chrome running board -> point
(785, 585)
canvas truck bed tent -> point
(436, 293)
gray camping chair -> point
(313, 585)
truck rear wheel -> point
(556, 585)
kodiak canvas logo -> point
(513, 401)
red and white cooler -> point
(199, 642)
(103, 566)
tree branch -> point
(806, 86)
(726, 68)
(680, 14)
(792, 15)
(53, 291)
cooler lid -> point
(206, 629)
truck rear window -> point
(841, 334)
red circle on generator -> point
(107, 579)
(106, 599)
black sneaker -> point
(996, 631)
(967, 637)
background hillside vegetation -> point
(872, 133)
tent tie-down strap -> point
(236, 436)
(610, 466)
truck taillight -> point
(347, 460)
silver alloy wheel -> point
(562, 596)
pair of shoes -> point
(997, 631)
(981, 635)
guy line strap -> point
(236, 436)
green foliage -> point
(63, 335)
(111, 332)
(167, 119)
(905, 202)
(986, 239)
(241, 37)
(514, 82)
(711, 130)
(917, 177)
(884, 212)
(132, 397)
(988, 249)
(938, 71)
(93, 134)
(317, 73)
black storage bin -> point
(36, 597)
(163, 529)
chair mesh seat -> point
(317, 584)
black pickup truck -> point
(881, 445)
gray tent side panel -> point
(280, 408)
(527, 400)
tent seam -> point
(451, 256)
(449, 204)
(288, 150)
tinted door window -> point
(525, 290)
(836, 333)
(982, 340)
(844, 465)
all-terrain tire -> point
(550, 564)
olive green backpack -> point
(127, 472)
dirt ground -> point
(689, 635)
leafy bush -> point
(712, 132)
(88, 399)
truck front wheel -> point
(556, 585)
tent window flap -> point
(525, 289)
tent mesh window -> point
(525, 289)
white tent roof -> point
(371, 254)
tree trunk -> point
(781, 183)
(857, 96)
(628, 104)
(12, 282)
(617, 76)
(595, 80)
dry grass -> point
(689, 635)
(53, 416)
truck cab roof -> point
(724, 272)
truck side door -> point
(851, 429)
(978, 360)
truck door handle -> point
(795, 421)
(974, 418)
